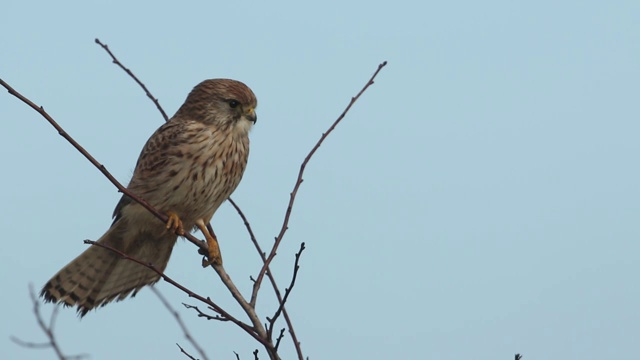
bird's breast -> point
(206, 179)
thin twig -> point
(29, 344)
(204, 315)
(292, 198)
(149, 95)
(280, 336)
(276, 289)
(263, 255)
(185, 352)
(176, 315)
(287, 291)
(47, 330)
(293, 194)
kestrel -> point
(187, 169)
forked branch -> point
(296, 187)
(47, 329)
(265, 337)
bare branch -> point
(292, 198)
(287, 291)
(249, 307)
(88, 156)
(28, 344)
(47, 330)
(249, 330)
(254, 293)
(185, 352)
(276, 289)
(252, 236)
(258, 331)
(135, 78)
(182, 325)
(280, 336)
(204, 315)
(293, 194)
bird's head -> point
(221, 102)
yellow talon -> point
(174, 223)
(215, 258)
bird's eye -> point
(233, 104)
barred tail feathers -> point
(98, 275)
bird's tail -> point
(99, 275)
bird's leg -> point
(174, 223)
(214, 250)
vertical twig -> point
(185, 330)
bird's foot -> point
(213, 254)
(215, 258)
(174, 224)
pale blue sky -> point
(480, 200)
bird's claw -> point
(174, 223)
(213, 254)
(213, 249)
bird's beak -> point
(251, 115)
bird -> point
(187, 169)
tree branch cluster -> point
(262, 333)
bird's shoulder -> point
(168, 141)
